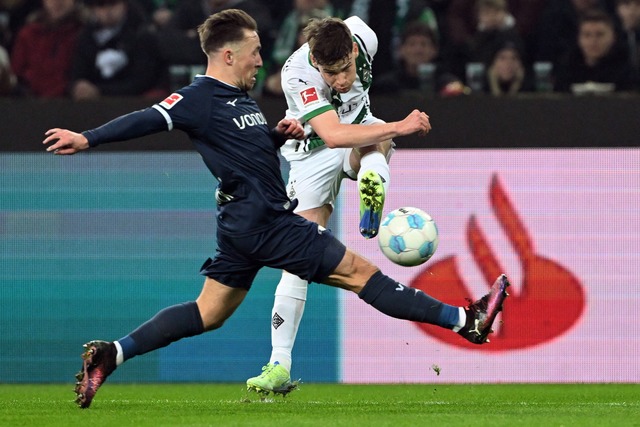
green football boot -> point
(273, 379)
(371, 203)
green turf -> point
(326, 405)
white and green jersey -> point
(308, 95)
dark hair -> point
(596, 15)
(329, 39)
(91, 3)
(507, 44)
(224, 27)
(418, 28)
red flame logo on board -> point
(550, 299)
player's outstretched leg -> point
(99, 361)
(274, 379)
(371, 203)
(482, 313)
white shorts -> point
(315, 178)
(315, 181)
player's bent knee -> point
(217, 303)
(352, 273)
(214, 318)
(213, 325)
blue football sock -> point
(169, 325)
(403, 302)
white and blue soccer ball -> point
(408, 236)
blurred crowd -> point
(85, 49)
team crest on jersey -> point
(366, 76)
(309, 96)
(171, 100)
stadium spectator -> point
(461, 22)
(43, 51)
(388, 18)
(558, 26)
(419, 66)
(507, 74)
(495, 27)
(289, 37)
(116, 54)
(599, 63)
(159, 12)
(256, 223)
(628, 13)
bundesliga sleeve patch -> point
(171, 100)
(309, 96)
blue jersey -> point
(231, 134)
(256, 223)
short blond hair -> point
(227, 26)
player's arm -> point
(335, 134)
(133, 125)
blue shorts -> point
(292, 243)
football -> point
(408, 236)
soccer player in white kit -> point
(326, 83)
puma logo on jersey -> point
(336, 100)
(252, 119)
(232, 103)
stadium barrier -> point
(462, 122)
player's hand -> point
(416, 122)
(290, 128)
(65, 142)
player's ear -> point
(355, 49)
(227, 55)
(313, 60)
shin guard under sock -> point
(397, 300)
(169, 325)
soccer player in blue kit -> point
(256, 225)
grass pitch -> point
(326, 405)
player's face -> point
(247, 61)
(341, 75)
